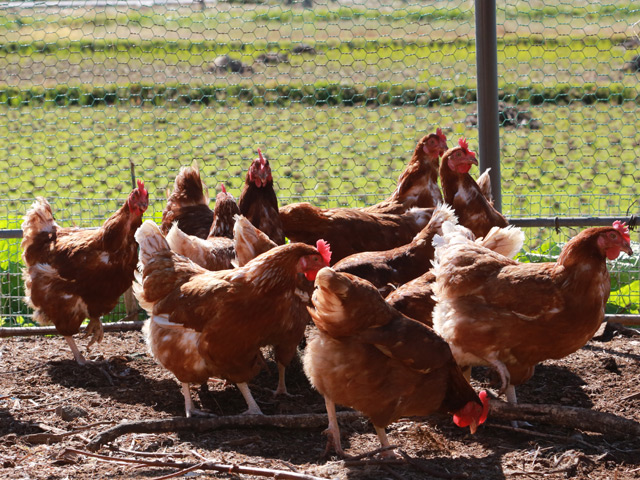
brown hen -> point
(188, 204)
(418, 183)
(258, 201)
(498, 312)
(389, 269)
(459, 190)
(234, 312)
(370, 357)
(351, 230)
(72, 274)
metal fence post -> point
(487, 80)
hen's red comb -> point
(141, 188)
(441, 135)
(464, 145)
(623, 229)
(325, 251)
(224, 190)
(262, 160)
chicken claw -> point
(333, 431)
(505, 376)
(282, 387)
(384, 441)
(94, 328)
(76, 352)
(511, 398)
(253, 409)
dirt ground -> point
(42, 390)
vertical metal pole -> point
(487, 79)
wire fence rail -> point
(335, 93)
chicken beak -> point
(627, 249)
(473, 426)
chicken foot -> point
(94, 328)
(189, 409)
(511, 398)
(505, 376)
(74, 349)
(332, 431)
(254, 409)
(79, 358)
(384, 443)
(508, 389)
(282, 387)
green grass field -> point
(581, 151)
(86, 94)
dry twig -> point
(185, 466)
(631, 396)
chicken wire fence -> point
(336, 94)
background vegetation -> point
(87, 93)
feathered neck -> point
(583, 249)
(277, 268)
(452, 181)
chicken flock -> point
(396, 301)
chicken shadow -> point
(135, 381)
(11, 424)
(120, 380)
(594, 347)
(303, 447)
(550, 384)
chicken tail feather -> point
(505, 241)
(39, 218)
(176, 238)
(248, 241)
(151, 241)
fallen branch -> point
(572, 417)
(120, 326)
(622, 319)
(185, 466)
(199, 425)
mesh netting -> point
(335, 94)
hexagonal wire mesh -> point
(336, 95)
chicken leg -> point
(384, 443)
(74, 349)
(333, 430)
(511, 398)
(505, 376)
(94, 328)
(254, 409)
(189, 409)
(282, 387)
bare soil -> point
(42, 390)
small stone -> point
(610, 364)
(69, 413)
